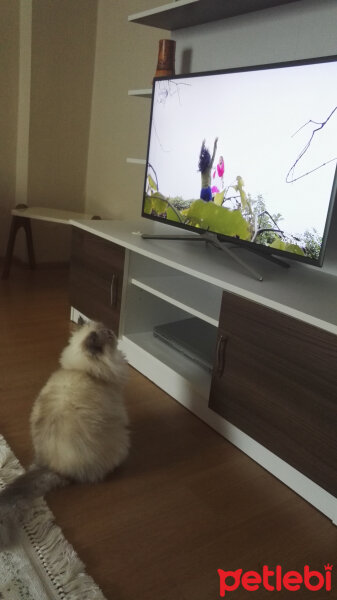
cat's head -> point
(98, 339)
(93, 348)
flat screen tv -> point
(248, 154)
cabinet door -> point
(96, 277)
(275, 378)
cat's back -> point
(79, 425)
(65, 386)
(71, 393)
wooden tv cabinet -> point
(273, 388)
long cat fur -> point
(79, 423)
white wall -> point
(9, 72)
(47, 64)
(62, 69)
(126, 58)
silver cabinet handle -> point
(221, 355)
(113, 290)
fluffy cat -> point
(79, 424)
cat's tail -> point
(17, 496)
(35, 482)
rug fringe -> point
(9, 464)
(54, 555)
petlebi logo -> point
(275, 580)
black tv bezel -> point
(252, 246)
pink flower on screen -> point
(220, 169)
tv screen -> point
(248, 154)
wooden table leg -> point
(29, 240)
(16, 223)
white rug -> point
(41, 564)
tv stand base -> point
(208, 238)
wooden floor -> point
(184, 504)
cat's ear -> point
(93, 343)
(76, 326)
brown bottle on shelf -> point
(166, 58)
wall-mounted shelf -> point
(146, 93)
(136, 161)
(188, 13)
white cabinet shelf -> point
(145, 309)
(188, 13)
(164, 366)
(180, 285)
(196, 297)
